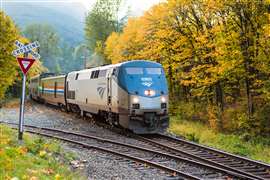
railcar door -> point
(109, 87)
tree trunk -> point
(219, 96)
(220, 105)
(250, 107)
(170, 80)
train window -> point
(153, 71)
(42, 88)
(102, 73)
(134, 70)
(96, 74)
(77, 75)
(92, 74)
(55, 89)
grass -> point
(35, 158)
(257, 148)
(10, 103)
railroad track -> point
(175, 166)
(179, 147)
(183, 148)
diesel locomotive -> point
(132, 94)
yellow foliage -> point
(202, 47)
(57, 177)
(22, 150)
(42, 153)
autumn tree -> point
(249, 19)
(10, 73)
(101, 21)
(215, 53)
(9, 33)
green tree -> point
(8, 65)
(249, 19)
(49, 44)
(66, 60)
(101, 21)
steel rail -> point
(230, 173)
(205, 154)
(88, 146)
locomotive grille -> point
(150, 119)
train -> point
(132, 94)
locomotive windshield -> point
(141, 71)
(139, 76)
(133, 71)
(156, 71)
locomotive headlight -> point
(149, 92)
(163, 99)
(135, 100)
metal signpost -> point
(25, 64)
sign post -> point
(25, 64)
(21, 120)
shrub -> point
(188, 110)
(263, 120)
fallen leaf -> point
(42, 153)
(57, 177)
(33, 178)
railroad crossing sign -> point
(25, 64)
(26, 49)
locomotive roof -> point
(132, 63)
(136, 63)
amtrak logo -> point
(148, 84)
(101, 91)
(147, 81)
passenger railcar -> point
(132, 94)
(52, 90)
(33, 87)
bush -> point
(188, 110)
(263, 119)
(235, 120)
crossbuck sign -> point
(25, 64)
(26, 49)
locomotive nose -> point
(148, 103)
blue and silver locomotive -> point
(132, 94)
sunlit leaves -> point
(215, 50)
(8, 34)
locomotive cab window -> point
(154, 71)
(134, 71)
(115, 72)
(102, 73)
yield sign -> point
(25, 64)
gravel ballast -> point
(94, 164)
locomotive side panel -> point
(90, 89)
(91, 97)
